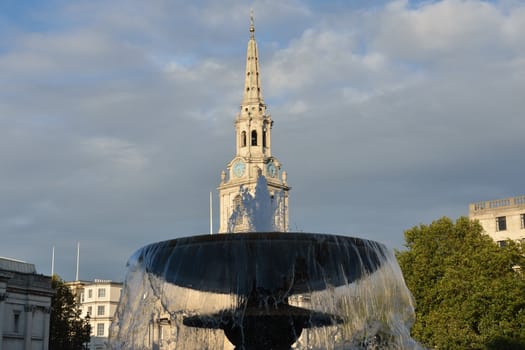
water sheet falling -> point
(264, 291)
(263, 212)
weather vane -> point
(252, 26)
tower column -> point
(47, 323)
(3, 297)
(29, 309)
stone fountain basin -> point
(269, 264)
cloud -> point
(115, 121)
(446, 32)
(116, 152)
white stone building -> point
(25, 306)
(502, 219)
(253, 131)
(98, 302)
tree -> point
(68, 331)
(468, 291)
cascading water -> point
(263, 291)
(263, 212)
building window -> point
(501, 223)
(264, 137)
(16, 322)
(101, 292)
(522, 217)
(100, 310)
(89, 310)
(243, 139)
(100, 329)
(254, 138)
(90, 293)
(502, 244)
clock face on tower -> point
(238, 168)
(272, 170)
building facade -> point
(25, 306)
(502, 219)
(98, 301)
(253, 157)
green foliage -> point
(67, 330)
(467, 291)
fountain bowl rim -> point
(273, 235)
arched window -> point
(243, 139)
(254, 138)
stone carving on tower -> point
(253, 158)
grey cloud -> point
(117, 140)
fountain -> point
(264, 290)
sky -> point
(116, 117)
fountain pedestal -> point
(262, 323)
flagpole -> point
(211, 215)
(78, 259)
(53, 261)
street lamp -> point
(88, 318)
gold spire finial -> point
(252, 26)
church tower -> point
(253, 135)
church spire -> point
(253, 156)
(252, 82)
